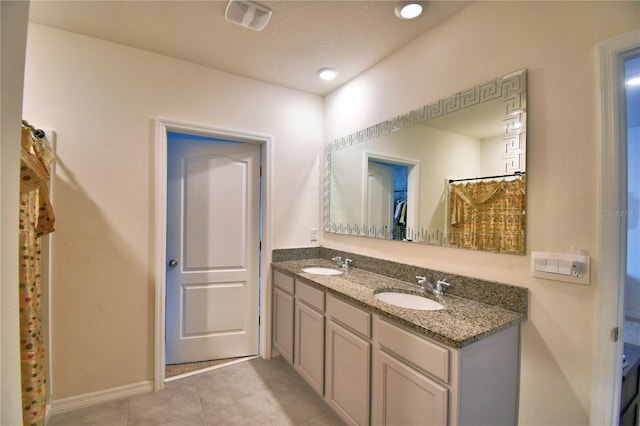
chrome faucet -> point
(424, 284)
(439, 289)
(344, 263)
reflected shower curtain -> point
(36, 219)
(488, 216)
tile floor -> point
(256, 392)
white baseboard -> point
(94, 398)
(274, 353)
(47, 414)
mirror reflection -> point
(450, 173)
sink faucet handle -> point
(439, 285)
(347, 262)
(424, 284)
(337, 259)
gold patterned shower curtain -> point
(488, 215)
(36, 219)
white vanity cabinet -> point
(374, 372)
(417, 381)
(283, 314)
(348, 361)
(309, 335)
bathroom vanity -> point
(377, 363)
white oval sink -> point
(411, 301)
(321, 271)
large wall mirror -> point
(451, 173)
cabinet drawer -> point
(427, 356)
(350, 316)
(311, 296)
(283, 281)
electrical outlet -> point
(571, 268)
(314, 234)
(576, 269)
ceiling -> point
(301, 37)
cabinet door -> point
(404, 396)
(348, 374)
(309, 346)
(283, 323)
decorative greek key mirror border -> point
(511, 88)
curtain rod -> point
(488, 177)
(38, 133)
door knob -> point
(173, 263)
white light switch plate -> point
(560, 267)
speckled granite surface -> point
(282, 255)
(510, 297)
(462, 322)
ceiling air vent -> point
(248, 14)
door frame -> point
(607, 381)
(162, 126)
(413, 182)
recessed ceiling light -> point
(408, 10)
(327, 73)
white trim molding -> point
(605, 406)
(162, 126)
(100, 397)
(47, 251)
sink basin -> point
(411, 301)
(321, 271)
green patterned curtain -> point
(488, 216)
(36, 219)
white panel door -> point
(379, 197)
(213, 213)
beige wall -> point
(101, 99)
(556, 42)
(13, 24)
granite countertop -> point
(462, 322)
